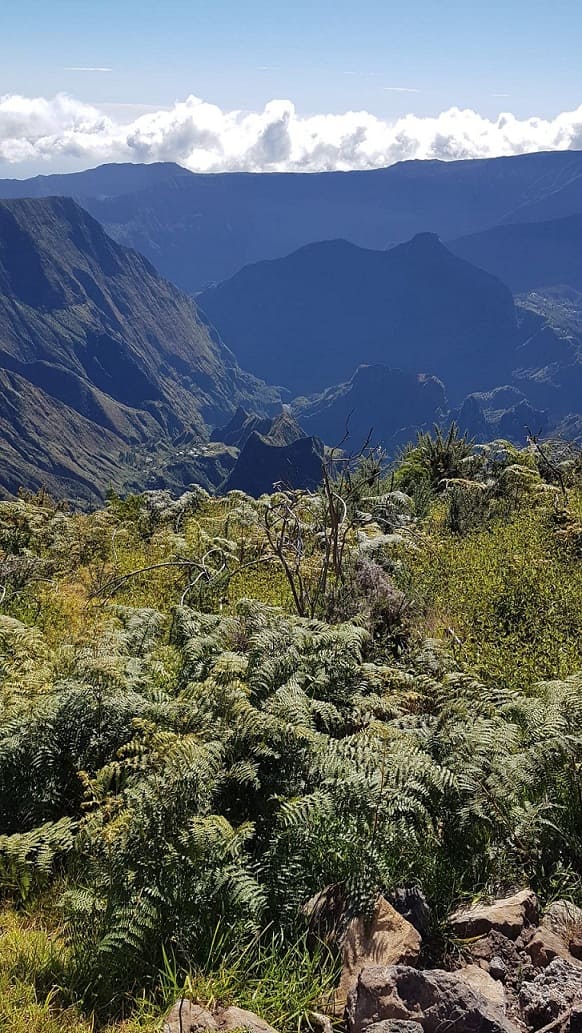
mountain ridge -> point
(199, 228)
(529, 255)
(91, 334)
(310, 319)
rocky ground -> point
(516, 971)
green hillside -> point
(213, 708)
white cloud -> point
(203, 137)
(80, 68)
(401, 89)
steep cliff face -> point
(114, 355)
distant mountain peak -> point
(425, 240)
(310, 318)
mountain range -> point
(198, 229)
(378, 301)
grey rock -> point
(482, 982)
(239, 1018)
(437, 1000)
(412, 904)
(187, 1017)
(498, 969)
(552, 993)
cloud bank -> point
(204, 138)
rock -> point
(494, 945)
(552, 993)
(544, 946)
(575, 946)
(238, 1018)
(412, 904)
(562, 917)
(325, 913)
(576, 1019)
(508, 915)
(506, 962)
(317, 1022)
(386, 939)
(556, 935)
(187, 1017)
(498, 969)
(479, 980)
(395, 1026)
(437, 1000)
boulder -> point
(437, 1000)
(551, 994)
(187, 1017)
(478, 979)
(563, 918)
(385, 939)
(544, 946)
(238, 1018)
(507, 915)
(556, 935)
(412, 904)
(503, 958)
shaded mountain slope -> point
(387, 405)
(281, 452)
(309, 319)
(198, 229)
(528, 256)
(564, 198)
(47, 444)
(110, 353)
(282, 429)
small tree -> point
(434, 459)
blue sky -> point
(326, 55)
(287, 86)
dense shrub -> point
(185, 760)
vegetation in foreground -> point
(213, 708)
